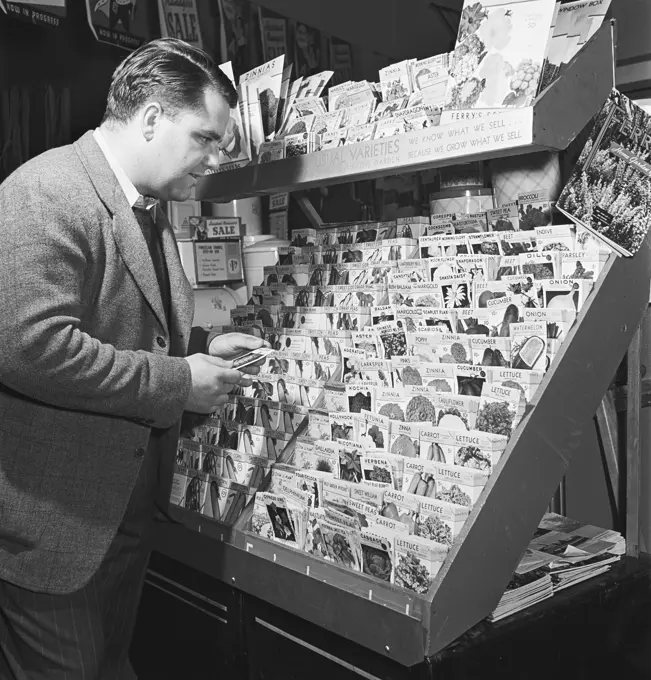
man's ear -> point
(150, 121)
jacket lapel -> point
(126, 231)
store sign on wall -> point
(42, 12)
(118, 22)
(179, 19)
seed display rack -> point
(395, 623)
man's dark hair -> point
(170, 71)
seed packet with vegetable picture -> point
(417, 561)
(499, 410)
(377, 554)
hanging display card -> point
(218, 262)
(42, 12)
(118, 22)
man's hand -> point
(231, 345)
(212, 381)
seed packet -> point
(342, 426)
(452, 348)
(436, 444)
(458, 485)
(404, 439)
(360, 396)
(478, 450)
(329, 343)
(411, 227)
(559, 237)
(368, 342)
(525, 381)
(392, 339)
(359, 133)
(456, 291)
(180, 483)
(528, 345)
(541, 266)
(324, 458)
(364, 512)
(509, 265)
(559, 321)
(454, 244)
(567, 294)
(439, 378)
(244, 469)
(359, 114)
(504, 218)
(380, 315)
(224, 499)
(439, 521)
(334, 398)
(375, 432)
(406, 371)
(456, 412)
(336, 491)
(391, 526)
(373, 373)
(526, 290)
(472, 321)
(487, 351)
(534, 210)
(318, 425)
(347, 319)
(422, 345)
(310, 482)
(382, 467)
(351, 359)
(281, 474)
(377, 554)
(498, 410)
(390, 403)
(412, 271)
(477, 267)
(439, 267)
(369, 493)
(586, 240)
(582, 264)
(342, 544)
(402, 507)
(350, 466)
(517, 242)
(470, 379)
(282, 527)
(502, 313)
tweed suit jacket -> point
(88, 364)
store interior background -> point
(35, 58)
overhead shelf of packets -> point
(554, 118)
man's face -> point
(185, 146)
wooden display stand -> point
(396, 624)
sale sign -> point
(179, 19)
(118, 22)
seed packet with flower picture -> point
(373, 373)
(404, 439)
(390, 403)
(440, 377)
(485, 243)
(500, 47)
(380, 315)
(360, 396)
(477, 267)
(382, 467)
(456, 291)
(392, 338)
(504, 218)
(406, 371)
(342, 426)
(395, 81)
(375, 432)
(451, 348)
(368, 342)
(350, 465)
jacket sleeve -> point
(44, 256)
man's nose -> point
(211, 161)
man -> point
(93, 380)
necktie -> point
(152, 237)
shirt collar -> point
(135, 199)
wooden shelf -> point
(559, 114)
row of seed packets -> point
(483, 233)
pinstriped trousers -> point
(84, 635)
